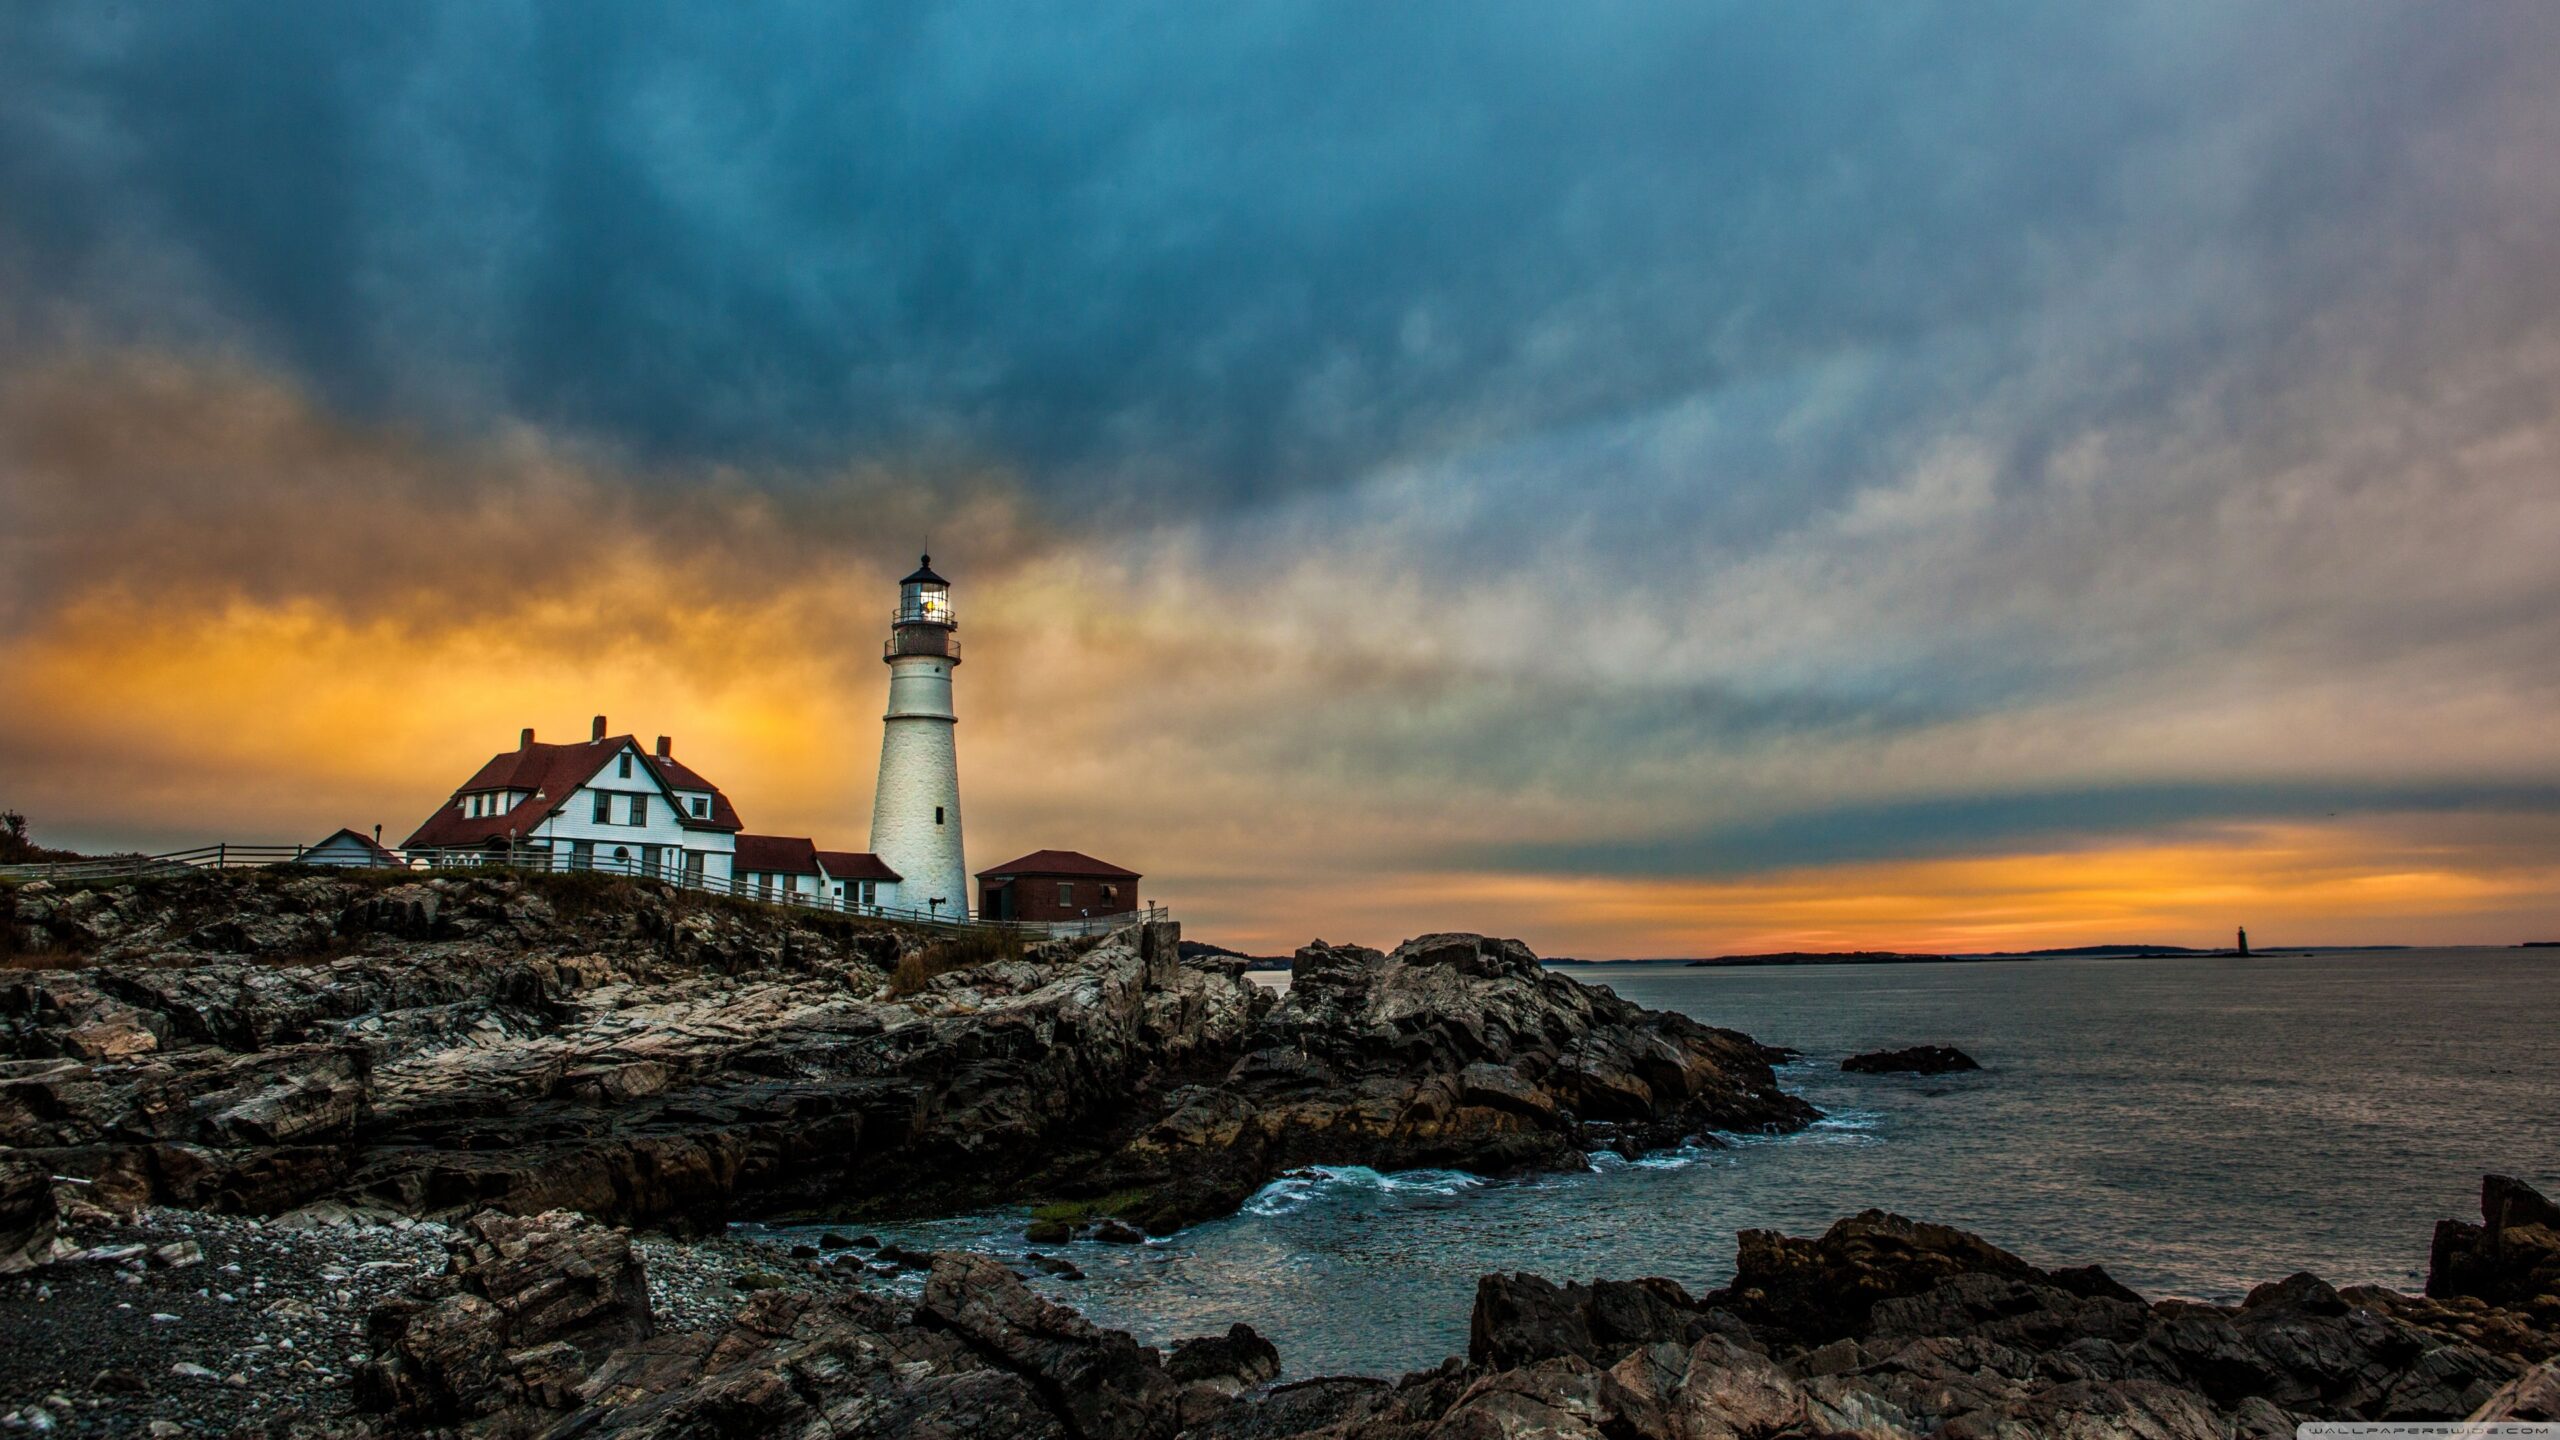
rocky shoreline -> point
(553, 1325)
(253, 1042)
(295, 1155)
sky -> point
(1650, 479)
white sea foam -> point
(1300, 1188)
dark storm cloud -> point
(1170, 254)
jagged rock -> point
(2511, 1258)
(1824, 1289)
(1954, 1338)
(1450, 1051)
(27, 1214)
(1102, 1382)
(530, 1305)
(1523, 1319)
(1237, 1360)
(1917, 1060)
(2533, 1395)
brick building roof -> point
(1045, 863)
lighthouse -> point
(915, 812)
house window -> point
(1066, 893)
(604, 807)
(582, 854)
(693, 867)
(764, 886)
(639, 809)
(1110, 894)
(701, 806)
(937, 814)
(622, 859)
(870, 892)
(626, 765)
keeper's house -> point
(1056, 885)
(606, 804)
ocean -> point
(2194, 1125)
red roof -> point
(777, 854)
(680, 776)
(1060, 862)
(553, 774)
(856, 865)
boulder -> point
(529, 1306)
(2511, 1258)
(1523, 1319)
(1917, 1060)
(27, 1214)
(1812, 1291)
(1103, 1382)
(1237, 1360)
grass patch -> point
(1077, 1212)
(958, 952)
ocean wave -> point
(1300, 1188)
(1837, 1127)
(1677, 1158)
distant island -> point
(1199, 949)
(1910, 957)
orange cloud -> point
(226, 615)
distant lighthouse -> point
(915, 812)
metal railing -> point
(227, 856)
(920, 642)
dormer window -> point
(701, 807)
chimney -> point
(666, 746)
(599, 732)
(525, 741)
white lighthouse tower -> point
(915, 813)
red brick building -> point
(1056, 885)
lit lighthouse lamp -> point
(924, 598)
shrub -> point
(958, 952)
(1077, 1212)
